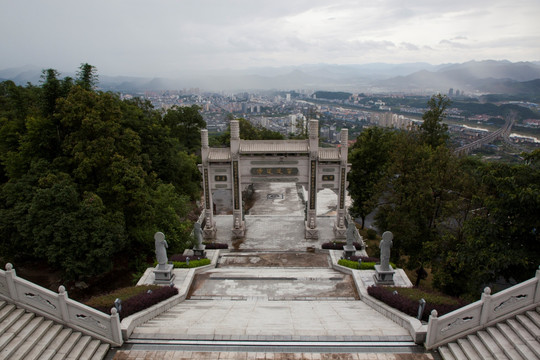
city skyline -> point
(172, 38)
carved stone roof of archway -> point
(328, 154)
(219, 154)
(271, 146)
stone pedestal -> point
(339, 232)
(384, 276)
(348, 251)
(199, 251)
(210, 233)
(163, 274)
(311, 234)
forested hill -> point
(86, 178)
(332, 95)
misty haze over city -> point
(198, 39)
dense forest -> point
(473, 223)
(87, 178)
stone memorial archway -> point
(252, 161)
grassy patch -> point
(134, 299)
(430, 296)
(122, 294)
(406, 300)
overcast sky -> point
(167, 37)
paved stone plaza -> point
(270, 291)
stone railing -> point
(489, 310)
(59, 307)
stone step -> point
(6, 310)
(19, 335)
(516, 341)
(89, 350)
(11, 332)
(11, 318)
(55, 344)
(79, 347)
(44, 342)
(25, 336)
(525, 336)
(504, 344)
(456, 351)
(468, 349)
(480, 348)
(534, 316)
(101, 352)
(446, 354)
(529, 325)
(35, 338)
(491, 345)
(39, 347)
(67, 346)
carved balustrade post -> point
(10, 279)
(62, 300)
(486, 306)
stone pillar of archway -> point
(238, 228)
(311, 230)
(209, 229)
(340, 230)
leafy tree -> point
(87, 77)
(422, 199)
(369, 158)
(500, 237)
(433, 131)
(248, 132)
(185, 124)
(90, 178)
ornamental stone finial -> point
(235, 129)
(313, 129)
(61, 289)
(434, 313)
(9, 266)
(204, 138)
(487, 290)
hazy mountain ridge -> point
(488, 76)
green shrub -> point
(371, 234)
(366, 265)
(107, 300)
(192, 263)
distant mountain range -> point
(481, 77)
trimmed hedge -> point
(338, 245)
(364, 258)
(192, 263)
(144, 297)
(407, 303)
(366, 265)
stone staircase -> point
(25, 335)
(517, 338)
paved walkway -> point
(200, 355)
(273, 284)
(259, 319)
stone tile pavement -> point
(200, 355)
